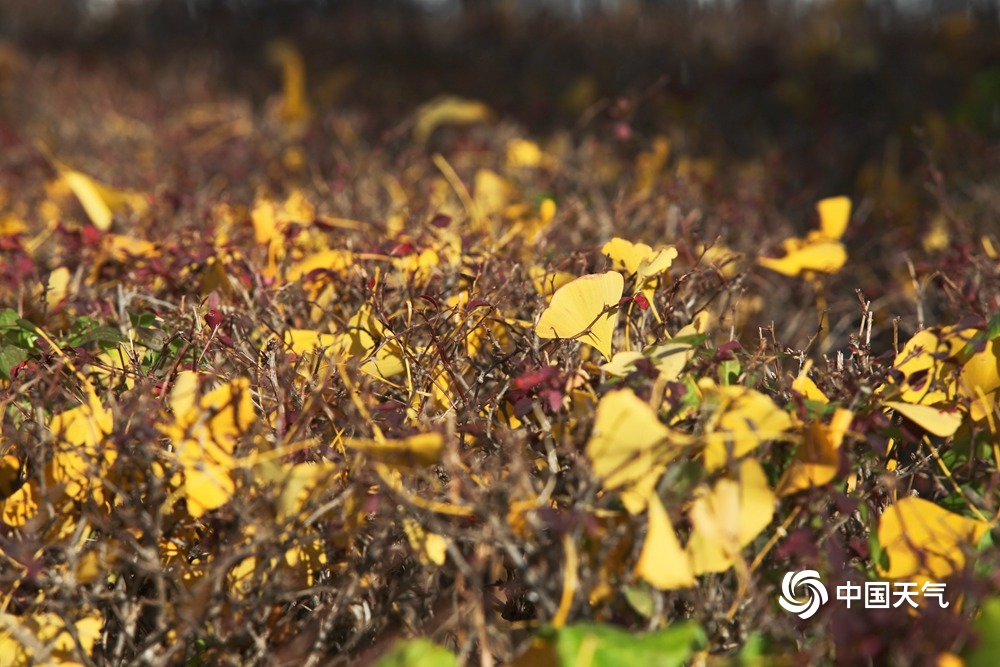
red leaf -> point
(213, 318)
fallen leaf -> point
(585, 309)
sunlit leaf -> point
(423, 449)
(21, 506)
(630, 447)
(523, 153)
(122, 248)
(366, 338)
(79, 454)
(817, 460)
(585, 309)
(294, 104)
(431, 548)
(547, 282)
(57, 287)
(48, 632)
(739, 421)
(638, 258)
(979, 380)
(805, 386)
(336, 261)
(100, 201)
(834, 214)
(821, 251)
(669, 358)
(663, 563)
(926, 363)
(728, 517)
(10, 475)
(925, 540)
(932, 420)
(204, 433)
(299, 483)
(302, 341)
(448, 110)
(491, 192)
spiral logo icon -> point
(814, 586)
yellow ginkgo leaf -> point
(299, 482)
(294, 104)
(821, 251)
(724, 259)
(100, 201)
(669, 358)
(491, 192)
(663, 563)
(622, 363)
(805, 386)
(522, 153)
(638, 258)
(642, 261)
(741, 420)
(547, 282)
(79, 454)
(925, 540)
(728, 518)
(630, 448)
(979, 380)
(368, 339)
(649, 165)
(47, 631)
(10, 475)
(302, 341)
(304, 562)
(585, 309)
(431, 548)
(448, 110)
(653, 266)
(672, 356)
(419, 450)
(122, 248)
(21, 506)
(58, 286)
(801, 257)
(204, 433)
(931, 419)
(834, 214)
(817, 460)
(264, 218)
(336, 261)
(927, 362)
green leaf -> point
(17, 331)
(753, 651)
(418, 653)
(640, 598)
(729, 372)
(986, 652)
(606, 646)
(143, 320)
(10, 356)
(8, 319)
